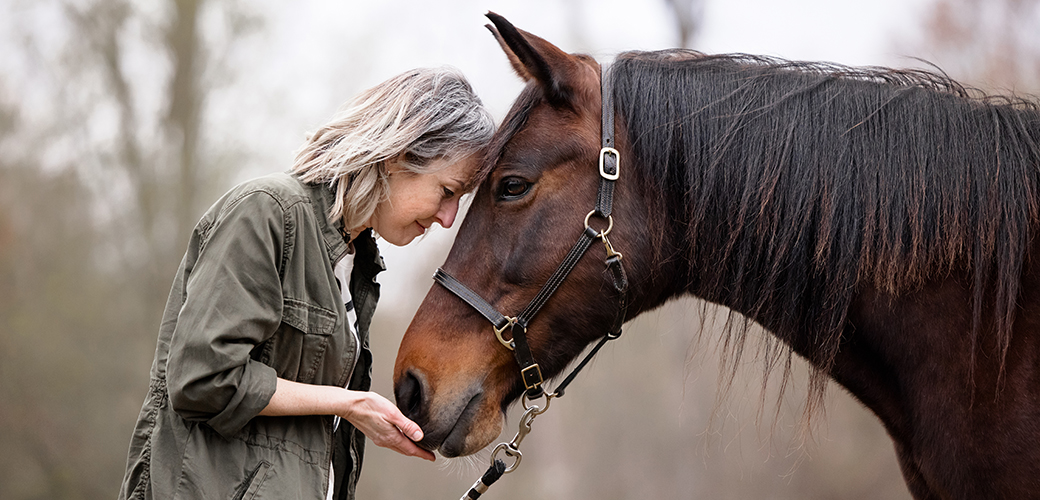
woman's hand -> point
(371, 413)
(384, 424)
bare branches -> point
(994, 43)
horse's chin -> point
(458, 445)
(476, 427)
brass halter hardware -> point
(605, 232)
(508, 326)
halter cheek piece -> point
(530, 372)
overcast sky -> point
(421, 33)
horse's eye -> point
(513, 187)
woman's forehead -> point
(459, 171)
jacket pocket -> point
(308, 318)
(253, 484)
(297, 351)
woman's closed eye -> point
(448, 193)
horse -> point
(879, 223)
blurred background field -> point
(121, 120)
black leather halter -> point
(531, 373)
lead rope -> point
(494, 472)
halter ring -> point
(610, 225)
(534, 409)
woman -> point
(260, 382)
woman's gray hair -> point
(413, 118)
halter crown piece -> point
(530, 371)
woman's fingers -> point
(409, 428)
(406, 446)
(385, 425)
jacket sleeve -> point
(233, 302)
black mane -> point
(791, 185)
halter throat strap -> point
(530, 371)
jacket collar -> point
(368, 258)
(322, 196)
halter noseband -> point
(530, 372)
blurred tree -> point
(688, 15)
(52, 305)
(992, 43)
(104, 169)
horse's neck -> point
(710, 254)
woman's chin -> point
(396, 239)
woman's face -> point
(416, 201)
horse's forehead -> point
(547, 129)
(548, 121)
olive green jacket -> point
(255, 298)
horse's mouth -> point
(454, 443)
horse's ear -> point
(535, 59)
(518, 66)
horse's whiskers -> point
(468, 465)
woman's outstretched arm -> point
(372, 414)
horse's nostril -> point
(409, 394)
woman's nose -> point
(448, 210)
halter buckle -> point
(610, 176)
(532, 377)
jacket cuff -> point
(255, 391)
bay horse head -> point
(453, 375)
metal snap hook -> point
(510, 451)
